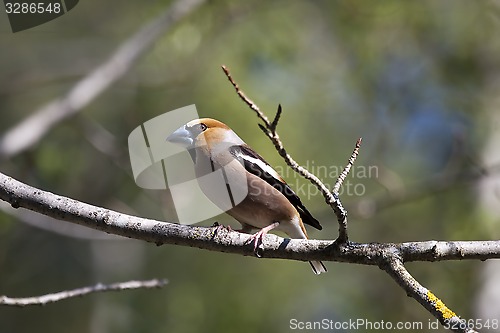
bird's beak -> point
(181, 136)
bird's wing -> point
(255, 164)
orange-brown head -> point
(204, 132)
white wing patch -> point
(263, 165)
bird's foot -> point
(258, 237)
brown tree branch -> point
(218, 239)
(388, 256)
(269, 130)
(62, 295)
(29, 131)
(52, 225)
(395, 268)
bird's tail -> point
(318, 267)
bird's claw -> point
(257, 242)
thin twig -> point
(269, 129)
(62, 295)
(29, 131)
(347, 168)
(245, 99)
(274, 124)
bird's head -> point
(203, 132)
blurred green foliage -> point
(411, 78)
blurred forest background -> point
(419, 81)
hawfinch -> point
(267, 202)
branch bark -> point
(59, 296)
(449, 319)
(217, 239)
(388, 256)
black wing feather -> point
(240, 151)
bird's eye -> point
(203, 127)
